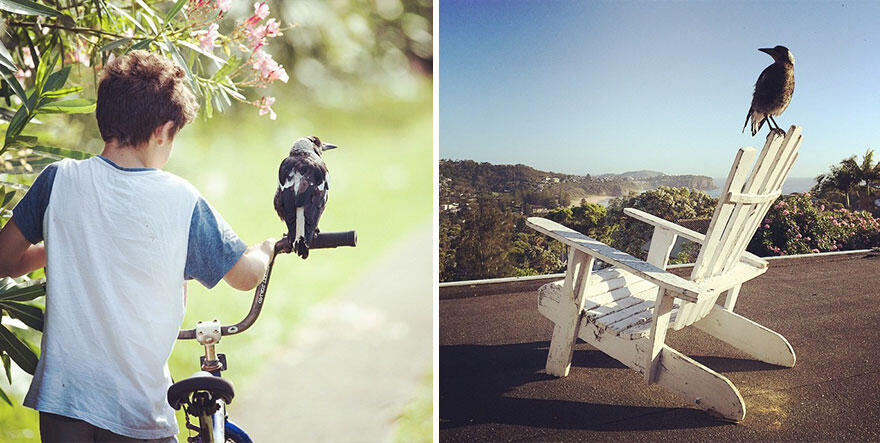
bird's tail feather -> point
(299, 243)
(757, 123)
(748, 114)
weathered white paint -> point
(681, 287)
(626, 311)
(750, 337)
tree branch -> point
(66, 28)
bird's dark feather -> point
(310, 193)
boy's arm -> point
(249, 269)
(17, 255)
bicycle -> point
(205, 394)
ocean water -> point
(792, 184)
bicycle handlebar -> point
(323, 240)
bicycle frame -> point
(204, 391)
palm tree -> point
(843, 177)
(848, 176)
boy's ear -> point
(164, 133)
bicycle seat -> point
(178, 393)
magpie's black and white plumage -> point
(773, 90)
(303, 185)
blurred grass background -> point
(360, 78)
(380, 186)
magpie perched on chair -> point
(303, 184)
(773, 90)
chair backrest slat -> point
(747, 196)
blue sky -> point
(591, 87)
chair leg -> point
(565, 330)
(562, 345)
(708, 389)
(752, 338)
(680, 374)
(730, 299)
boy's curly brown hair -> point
(139, 92)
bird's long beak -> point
(766, 50)
(328, 146)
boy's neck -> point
(146, 156)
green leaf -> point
(4, 397)
(6, 59)
(180, 61)
(197, 48)
(29, 315)
(13, 82)
(147, 8)
(26, 292)
(7, 198)
(56, 80)
(62, 92)
(143, 44)
(229, 66)
(131, 19)
(25, 7)
(174, 10)
(115, 44)
(6, 366)
(150, 23)
(19, 120)
(62, 152)
(20, 353)
(44, 71)
(72, 106)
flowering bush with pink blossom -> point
(797, 224)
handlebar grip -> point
(334, 239)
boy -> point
(121, 237)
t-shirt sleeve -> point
(213, 247)
(28, 213)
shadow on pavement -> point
(477, 384)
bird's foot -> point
(284, 246)
(301, 249)
(776, 131)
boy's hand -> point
(250, 268)
(268, 247)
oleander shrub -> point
(798, 224)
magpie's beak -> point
(766, 50)
(328, 146)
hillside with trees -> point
(484, 207)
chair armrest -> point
(658, 222)
(689, 234)
(681, 287)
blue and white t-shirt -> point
(120, 242)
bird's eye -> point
(315, 140)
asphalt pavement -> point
(493, 350)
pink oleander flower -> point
(785, 212)
(273, 28)
(821, 208)
(265, 108)
(22, 74)
(278, 74)
(27, 59)
(224, 5)
(256, 36)
(207, 38)
(766, 226)
(261, 10)
(798, 236)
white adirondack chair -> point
(625, 310)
